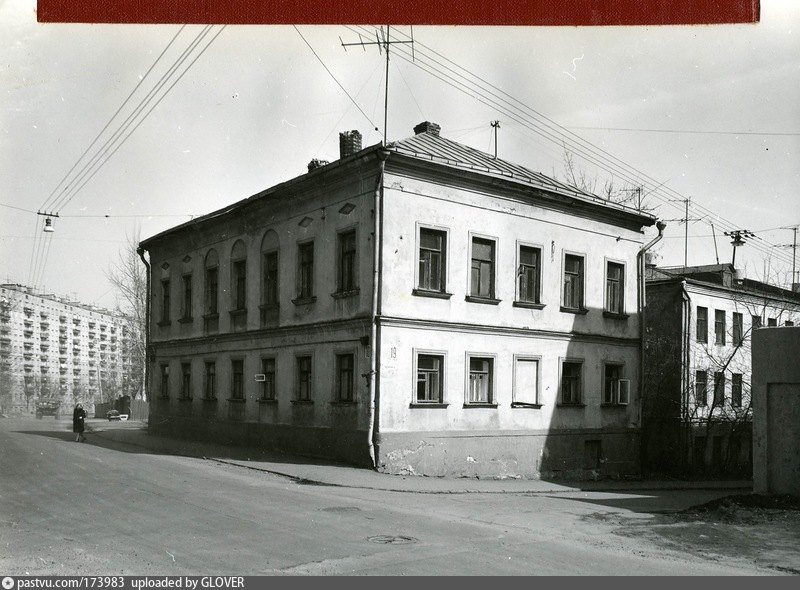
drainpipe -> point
(373, 425)
(140, 251)
(687, 339)
(660, 225)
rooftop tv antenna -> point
(384, 42)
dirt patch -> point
(763, 530)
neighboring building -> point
(505, 338)
(697, 415)
(53, 347)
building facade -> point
(698, 404)
(52, 347)
(422, 307)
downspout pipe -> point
(373, 425)
(640, 257)
(686, 355)
(140, 251)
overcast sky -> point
(257, 105)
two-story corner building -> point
(697, 408)
(423, 307)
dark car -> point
(113, 415)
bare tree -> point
(576, 175)
(127, 276)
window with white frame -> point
(480, 381)
(615, 287)
(701, 387)
(529, 274)
(430, 379)
(432, 259)
(616, 389)
(701, 330)
(482, 269)
(573, 282)
(526, 381)
(571, 382)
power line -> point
(686, 131)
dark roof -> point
(435, 148)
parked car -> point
(112, 415)
(48, 408)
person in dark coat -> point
(78, 417)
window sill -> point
(484, 300)
(186, 320)
(525, 405)
(480, 405)
(267, 402)
(163, 323)
(210, 400)
(615, 405)
(302, 402)
(344, 403)
(305, 300)
(236, 400)
(615, 316)
(185, 399)
(575, 310)
(211, 316)
(575, 405)
(163, 397)
(528, 305)
(345, 294)
(269, 306)
(427, 405)
(431, 294)
(238, 312)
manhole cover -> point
(391, 539)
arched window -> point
(269, 270)
(211, 291)
(239, 277)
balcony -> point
(103, 327)
(103, 336)
(44, 359)
(76, 332)
(62, 350)
(28, 356)
(62, 319)
(92, 334)
(28, 310)
(44, 346)
(27, 333)
(28, 323)
(76, 321)
(102, 347)
(92, 324)
(92, 344)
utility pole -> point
(738, 236)
(793, 246)
(496, 125)
(383, 42)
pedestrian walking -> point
(78, 416)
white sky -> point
(257, 106)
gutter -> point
(373, 425)
(660, 225)
(140, 251)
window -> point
(268, 385)
(526, 381)
(305, 254)
(702, 324)
(719, 388)
(719, 326)
(616, 389)
(529, 274)
(211, 381)
(736, 390)
(573, 282)
(482, 275)
(270, 274)
(187, 297)
(430, 379)
(239, 278)
(571, 382)
(615, 287)
(237, 380)
(788, 323)
(164, 380)
(738, 328)
(701, 387)
(772, 322)
(212, 283)
(304, 378)
(432, 253)
(345, 381)
(186, 381)
(480, 380)
(165, 303)
(756, 321)
(346, 275)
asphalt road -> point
(71, 508)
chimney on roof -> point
(349, 143)
(315, 163)
(427, 127)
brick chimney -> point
(349, 143)
(427, 127)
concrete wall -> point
(776, 410)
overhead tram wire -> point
(621, 168)
(91, 167)
(44, 206)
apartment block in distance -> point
(422, 307)
(55, 348)
(698, 408)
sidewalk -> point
(311, 471)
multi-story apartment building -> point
(422, 305)
(697, 405)
(51, 347)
